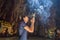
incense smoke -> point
(41, 7)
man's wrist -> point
(32, 23)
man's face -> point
(26, 19)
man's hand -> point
(33, 20)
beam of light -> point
(42, 7)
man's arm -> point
(31, 28)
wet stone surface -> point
(16, 38)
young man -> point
(24, 28)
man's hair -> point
(26, 15)
(23, 16)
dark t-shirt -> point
(22, 31)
